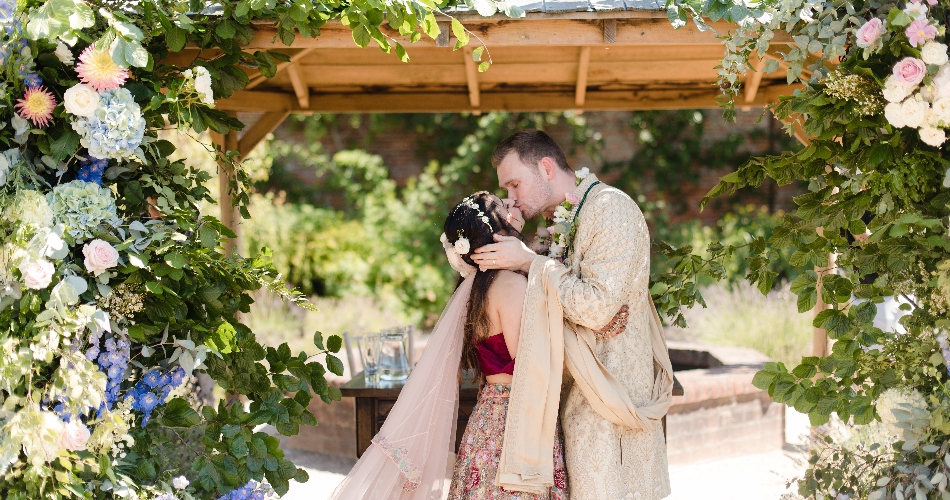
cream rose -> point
(462, 246)
(933, 136)
(74, 436)
(100, 256)
(934, 53)
(81, 100)
(941, 108)
(63, 53)
(914, 112)
(893, 114)
(894, 91)
(37, 274)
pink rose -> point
(99, 256)
(74, 436)
(571, 198)
(37, 274)
(910, 71)
(870, 32)
(920, 31)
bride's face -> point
(515, 217)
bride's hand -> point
(509, 253)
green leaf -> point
(178, 413)
(460, 34)
(175, 260)
(318, 340)
(334, 343)
(763, 379)
(334, 364)
(361, 35)
(477, 53)
(239, 446)
(483, 66)
(401, 53)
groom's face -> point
(527, 187)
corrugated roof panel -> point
(567, 6)
(607, 5)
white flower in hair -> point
(444, 238)
(462, 246)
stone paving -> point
(760, 476)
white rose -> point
(941, 82)
(462, 246)
(941, 108)
(63, 53)
(934, 53)
(556, 249)
(893, 114)
(933, 136)
(914, 112)
(895, 91)
(100, 256)
(81, 100)
(584, 172)
(74, 436)
(37, 274)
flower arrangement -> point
(111, 124)
(555, 240)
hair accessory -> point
(469, 201)
(455, 260)
(462, 245)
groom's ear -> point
(548, 168)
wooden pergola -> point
(563, 55)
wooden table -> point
(373, 405)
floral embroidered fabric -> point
(398, 454)
(480, 451)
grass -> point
(275, 322)
(743, 317)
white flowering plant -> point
(872, 108)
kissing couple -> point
(568, 348)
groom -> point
(604, 289)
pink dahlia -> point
(97, 69)
(920, 32)
(37, 106)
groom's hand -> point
(509, 253)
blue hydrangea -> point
(250, 491)
(91, 170)
(152, 391)
(7, 8)
(32, 80)
(113, 359)
(116, 129)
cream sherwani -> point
(608, 267)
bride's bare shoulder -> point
(508, 283)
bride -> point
(412, 455)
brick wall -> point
(398, 148)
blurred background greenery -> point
(362, 236)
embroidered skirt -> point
(480, 451)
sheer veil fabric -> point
(412, 456)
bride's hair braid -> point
(467, 219)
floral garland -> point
(554, 240)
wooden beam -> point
(525, 32)
(453, 102)
(230, 216)
(753, 76)
(259, 79)
(301, 90)
(580, 91)
(257, 132)
(471, 77)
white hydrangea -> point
(116, 129)
(934, 53)
(892, 399)
(30, 209)
(893, 114)
(914, 112)
(81, 206)
(894, 91)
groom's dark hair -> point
(531, 146)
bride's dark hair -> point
(464, 221)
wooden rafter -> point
(583, 64)
(257, 132)
(453, 102)
(753, 77)
(259, 79)
(301, 89)
(230, 216)
(471, 77)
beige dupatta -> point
(547, 342)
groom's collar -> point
(582, 187)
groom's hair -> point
(531, 146)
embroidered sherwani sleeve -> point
(612, 240)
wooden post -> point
(230, 216)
